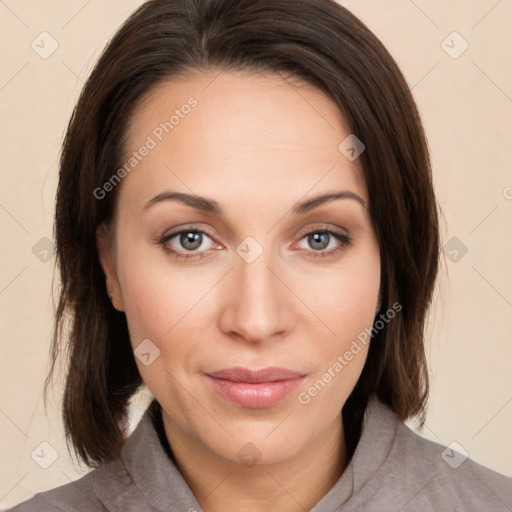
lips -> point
(255, 388)
(271, 374)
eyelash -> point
(344, 242)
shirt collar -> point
(146, 459)
(379, 429)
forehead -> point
(239, 132)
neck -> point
(294, 485)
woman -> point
(246, 225)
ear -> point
(105, 247)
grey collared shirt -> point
(393, 469)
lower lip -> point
(255, 395)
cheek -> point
(345, 298)
(346, 302)
(143, 302)
(157, 295)
(159, 307)
(340, 357)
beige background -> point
(466, 104)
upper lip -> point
(270, 374)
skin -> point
(257, 145)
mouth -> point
(255, 389)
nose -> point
(257, 304)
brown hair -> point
(317, 41)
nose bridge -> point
(256, 308)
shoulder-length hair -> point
(317, 41)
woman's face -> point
(246, 272)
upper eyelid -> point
(186, 229)
(321, 227)
(230, 235)
(338, 230)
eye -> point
(195, 244)
(324, 242)
(188, 244)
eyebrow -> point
(211, 206)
